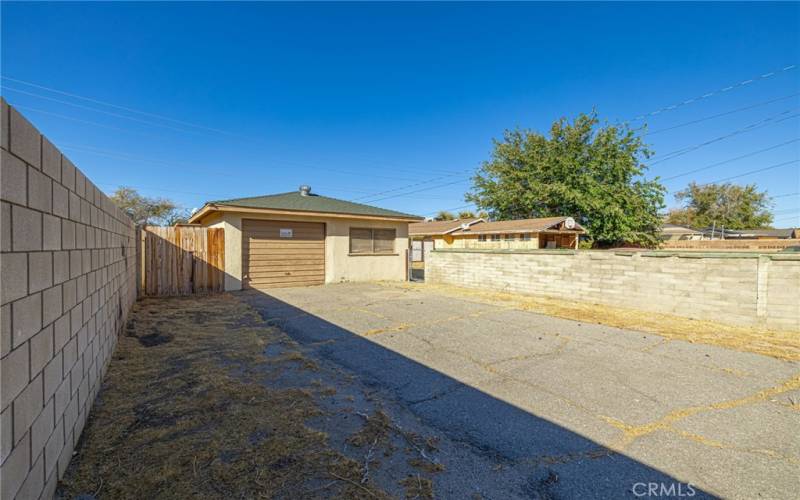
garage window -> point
(367, 241)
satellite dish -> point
(464, 226)
(569, 223)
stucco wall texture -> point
(740, 289)
(340, 265)
(68, 282)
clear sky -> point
(241, 99)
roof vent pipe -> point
(305, 190)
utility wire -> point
(683, 151)
(777, 165)
(718, 115)
(715, 92)
(413, 185)
(130, 110)
(110, 113)
(125, 156)
(415, 191)
(753, 126)
(88, 122)
(747, 155)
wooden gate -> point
(181, 260)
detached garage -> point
(303, 239)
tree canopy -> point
(590, 172)
(444, 215)
(725, 205)
(144, 210)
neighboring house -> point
(674, 232)
(751, 234)
(522, 234)
(424, 235)
(300, 238)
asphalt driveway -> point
(556, 408)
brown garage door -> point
(282, 253)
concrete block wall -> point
(743, 289)
(68, 281)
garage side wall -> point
(68, 281)
(341, 266)
(745, 289)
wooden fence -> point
(181, 260)
(765, 245)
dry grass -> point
(183, 414)
(418, 487)
(778, 344)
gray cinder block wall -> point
(68, 282)
(740, 289)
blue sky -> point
(357, 99)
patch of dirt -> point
(182, 414)
(777, 344)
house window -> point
(495, 237)
(509, 237)
(481, 237)
(526, 236)
(367, 241)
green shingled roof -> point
(310, 203)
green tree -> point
(590, 172)
(444, 215)
(725, 205)
(466, 214)
(144, 210)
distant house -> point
(425, 235)
(752, 234)
(522, 234)
(675, 232)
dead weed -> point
(182, 414)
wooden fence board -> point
(181, 260)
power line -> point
(130, 110)
(766, 121)
(785, 195)
(683, 151)
(122, 184)
(409, 186)
(747, 155)
(718, 115)
(110, 113)
(88, 122)
(715, 92)
(125, 156)
(750, 172)
(415, 191)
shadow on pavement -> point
(563, 463)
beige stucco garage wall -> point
(340, 266)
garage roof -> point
(297, 202)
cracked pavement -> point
(579, 409)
